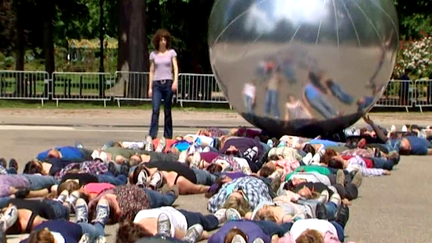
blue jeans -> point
(248, 103)
(157, 199)
(382, 163)
(331, 207)
(60, 211)
(111, 179)
(271, 103)
(38, 182)
(204, 177)
(271, 228)
(93, 230)
(340, 230)
(162, 89)
(341, 95)
(322, 106)
(208, 222)
(393, 145)
(4, 201)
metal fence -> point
(22, 85)
(192, 88)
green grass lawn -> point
(35, 104)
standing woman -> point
(163, 81)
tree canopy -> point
(41, 29)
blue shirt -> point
(326, 143)
(71, 232)
(311, 92)
(419, 146)
(68, 153)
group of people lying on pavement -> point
(259, 189)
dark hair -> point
(273, 157)
(32, 167)
(214, 168)
(308, 148)
(336, 164)
(329, 154)
(289, 185)
(161, 33)
(130, 232)
(266, 171)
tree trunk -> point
(48, 41)
(133, 50)
(19, 52)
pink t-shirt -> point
(97, 187)
(163, 65)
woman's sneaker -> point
(238, 239)
(164, 225)
(156, 181)
(85, 238)
(102, 212)
(81, 211)
(232, 214)
(9, 217)
(194, 233)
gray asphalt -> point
(390, 209)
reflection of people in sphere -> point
(163, 82)
(296, 110)
(249, 91)
(314, 96)
(272, 96)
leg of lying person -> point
(115, 180)
(157, 199)
(340, 231)
(187, 187)
(204, 177)
(271, 228)
(38, 182)
(208, 222)
(382, 163)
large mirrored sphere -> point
(303, 67)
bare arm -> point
(151, 75)
(380, 134)
(305, 109)
(286, 114)
(175, 69)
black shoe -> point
(321, 211)
(22, 193)
(3, 162)
(13, 164)
(124, 169)
(343, 215)
(112, 168)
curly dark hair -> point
(161, 33)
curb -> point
(114, 126)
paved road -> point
(390, 209)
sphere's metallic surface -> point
(303, 67)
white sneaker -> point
(183, 157)
(196, 159)
(316, 159)
(232, 214)
(148, 143)
(221, 215)
(194, 233)
(336, 199)
(404, 129)
(324, 196)
(238, 239)
(393, 128)
(307, 159)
